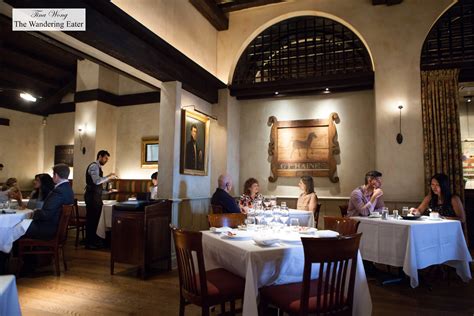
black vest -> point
(90, 185)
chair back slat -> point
(344, 209)
(65, 217)
(342, 225)
(316, 215)
(229, 220)
(334, 256)
(189, 255)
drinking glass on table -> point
(395, 214)
(259, 215)
(250, 222)
(405, 211)
(284, 214)
(283, 204)
(267, 202)
(268, 214)
(294, 223)
(385, 213)
(273, 201)
(276, 214)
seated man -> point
(222, 197)
(367, 198)
(46, 220)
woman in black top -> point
(43, 184)
(441, 200)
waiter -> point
(93, 197)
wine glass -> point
(273, 201)
(294, 223)
(283, 204)
(284, 215)
(268, 214)
(267, 202)
(276, 214)
(259, 215)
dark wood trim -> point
(212, 13)
(387, 2)
(112, 31)
(61, 108)
(336, 83)
(117, 100)
(48, 104)
(245, 4)
(4, 121)
(23, 75)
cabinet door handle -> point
(119, 221)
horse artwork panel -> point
(303, 147)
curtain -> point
(441, 129)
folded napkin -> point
(220, 229)
(326, 233)
(265, 240)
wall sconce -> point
(399, 135)
(81, 132)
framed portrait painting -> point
(150, 150)
(194, 143)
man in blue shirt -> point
(222, 197)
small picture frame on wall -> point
(64, 154)
(150, 151)
(194, 143)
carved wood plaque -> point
(303, 147)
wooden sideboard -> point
(141, 234)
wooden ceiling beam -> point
(24, 75)
(47, 104)
(387, 2)
(244, 4)
(114, 32)
(212, 13)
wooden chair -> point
(328, 294)
(216, 209)
(51, 247)
(342, 225)
(78, 223)
(343, 209)
(198, 286)
(229, 219)
(316, 215)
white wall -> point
(394, 36)
(21, 147)
(134, 123)
(355, 134)
(177, 22)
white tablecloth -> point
(12, 227)
(415, 245)
(9, 305)
(261, 266)
(305, 218)
(105, 220)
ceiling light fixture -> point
(326, 90)
(28, 97)
(276, 92)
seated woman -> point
(441, 200)
(11, 191)
(251, 188)
(42, 185)
(308, 200)
(154, 187)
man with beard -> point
(193, 152)
(93, 197)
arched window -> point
(450, 43)
(302, 54)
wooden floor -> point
(87, 288)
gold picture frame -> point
(150, 150)
(194, 143)
(303, 147)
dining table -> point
(279, 263)
(105, 220)
(13, 224)
(9, 304)
(415, 244)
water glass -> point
(294, 222)
(395, 214)
(273, 201)
(405, 211)
(385, 213)
(284, 215)
(267, 202)
(250, 222)
(283, 204)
